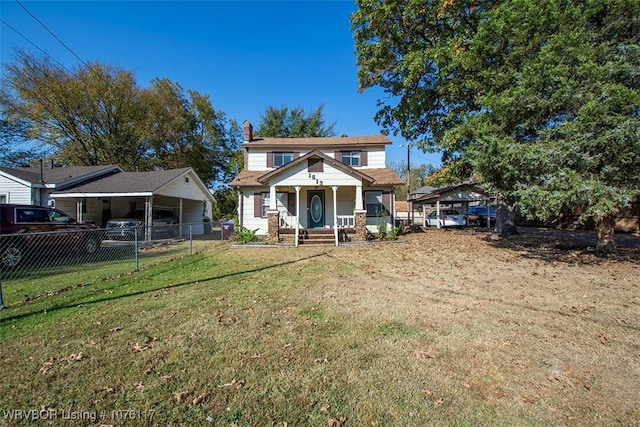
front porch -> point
(317, 236)
(286, 228)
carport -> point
(180, 190)
(458, 194)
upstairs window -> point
(351, 158)
(282, 158)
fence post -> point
(135, 248)
(190, 239)
(1, 302)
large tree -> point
(541, 97)
(90, 116)
(183, 129)
(284, 122)
(560, 127)
(97, 115)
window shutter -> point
(270, 160)
(338, 156)
(291, 201)
(295, 155)
(386, 202)
(363, 158)
(257, 205)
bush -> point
(244, 235)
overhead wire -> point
(52, 33)
(34, 45)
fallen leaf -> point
(199, 399)
(47, 366)
(179, 396)
(116, 329)
(165, 377)
(325, 409)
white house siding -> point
(248, 219)
(376, 159)
(257, 160)
(93, 208)
(329, 177)
(15, 192)
(179, 188)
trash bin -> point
(227, 229)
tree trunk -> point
(605, 230)
(505, 218)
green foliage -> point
(226, 203)
(97, 115)
(284, 122)
(244, 235)
(560, 129)
(384, 232)
(541, 98)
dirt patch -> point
(538, 321)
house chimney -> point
(248, 131)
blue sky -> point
(246, 55)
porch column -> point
(359, 205)
(297, 187)
(335, 213)
(148, 217)
(273, 201)
(424, 216)
(79, 209)
(438, 213)
(360, 216)
(180, 219)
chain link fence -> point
(65, 258)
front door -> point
(315, 207)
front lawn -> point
(445, 328)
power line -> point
(52, 33)
(34, 45)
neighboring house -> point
(33, 186)
(97, 194)
(291, 186)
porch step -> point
(320, 237)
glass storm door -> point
(315, 206)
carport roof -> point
(128, 184)
(464, 192)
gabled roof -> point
(130, 184)
(60, 176)
(374, 176)
(448, 191)
(332, 141)
(315, 154)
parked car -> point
(448, 218)
(164, 224)
(37, 233)
(478, 215)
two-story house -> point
(291, 187)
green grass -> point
(245, 337)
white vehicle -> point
(448, 218)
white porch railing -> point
(287, 221)
(346, 221)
